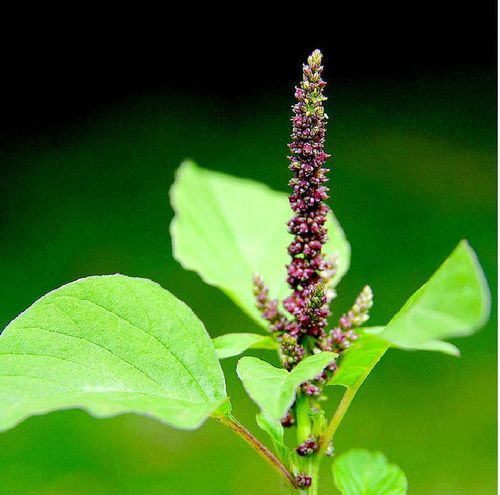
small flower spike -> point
(341, 337)
(268, 307)
(303, 480)
(307, 448)
(291, 351)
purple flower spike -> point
(341, 337)
(300, 320)
(309, 192)
(268, 307)
(308, 303)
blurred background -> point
(95, 119)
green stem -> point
(314, 473)
(302, 418)
(260, 448)
(339, 414)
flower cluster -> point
(308, 302)
(303, 480)
(307, 448)
(309, 272)
(309, 192)
(268, 307)
(299, 323)
(341, 337)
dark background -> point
(56, 73)
(97, 111)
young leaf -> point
(274, 429)
(454, 302)
(273, 389)
(226, 229)
(234, 344)
(359, 472)
(109, 345)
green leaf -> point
(455, 302)
(226, 229)
(234, 344)
(274, 429)
(359, 472)
(109, 345)
(273, 389)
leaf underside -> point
(234, 344)
(109, 345)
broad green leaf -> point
(109, 345)
(359, 472)
(274, 429)
(454, 302)
(234, 344)
(226, 229)
(273, 389)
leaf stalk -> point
(259, 447)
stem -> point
(302, 419)
(337, 417)
(260, 448)
(314, 473)
(346, 402)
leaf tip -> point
(481, 280)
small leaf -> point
(226, 229)
(274, 429)
(454, 302)
(273, 389)
(109, 345)
(359, 472)
(234, 344)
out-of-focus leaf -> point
(273, 389)
(360, 472)
(234, 344)
(109, 345)
(226, 229)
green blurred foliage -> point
(413, 171)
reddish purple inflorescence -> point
(308, 302)
(303, 480)
(307, 306)
(309, 274)
(307, 448)
(300, 322)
